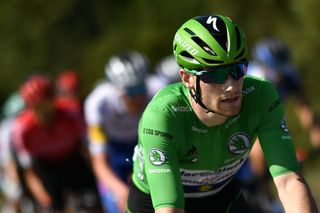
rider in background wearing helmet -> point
(166, 72)
(195, 135)
(49, 140)
(112, 112)
(67, 86)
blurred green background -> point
(49, 36)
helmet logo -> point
(213, 20)
(185, 45)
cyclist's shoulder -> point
(170, 95)
(26, 116)
(171, 92)
(102, 91)
(25, 121)
(257, 84)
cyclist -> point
(48, 140)
(112, 112)
(195, 135)
(166, 72)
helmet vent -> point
(203, 45)
(189, 31)
(188, 57)
(185, 54)
(238, 37)
(212, 61)
(200, 42)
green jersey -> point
(178, 156)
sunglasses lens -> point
(238, 71)
(217, 76)
(220, 75)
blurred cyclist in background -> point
(48, 139)
(9, 179)
(166, 72)
(67, 86)
(112, 113)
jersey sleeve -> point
(159, 134)
(93, 110)
(6, 126)
(273, 133)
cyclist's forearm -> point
(169, 210)
(295, 194)
(105, 174)
(36, 188)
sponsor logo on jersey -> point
(156, 132)
(208, 177)
(157, 171)
(248, 90)
(198, 130)
(239, 143)
(283, 126)
(205, 188)
(181, 108)
(157, 157)
(286, 137)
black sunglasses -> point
(219, 75)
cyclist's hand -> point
(122, 196)
(44, 199)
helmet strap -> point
(196, 95)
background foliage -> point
(48, 36)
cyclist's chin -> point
(230, 110)
(228, 113)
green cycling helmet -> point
(209, 41)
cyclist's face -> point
(225, 98)
(44, 110)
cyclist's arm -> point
(169, 210)
(160, 134)
(294, 193)
(36, 187)
(279, 152)
(105, 174)
(101, 167)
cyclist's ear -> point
(187, 79)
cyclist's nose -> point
(230, 84)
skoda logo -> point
(239, 143)
(157, 157)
